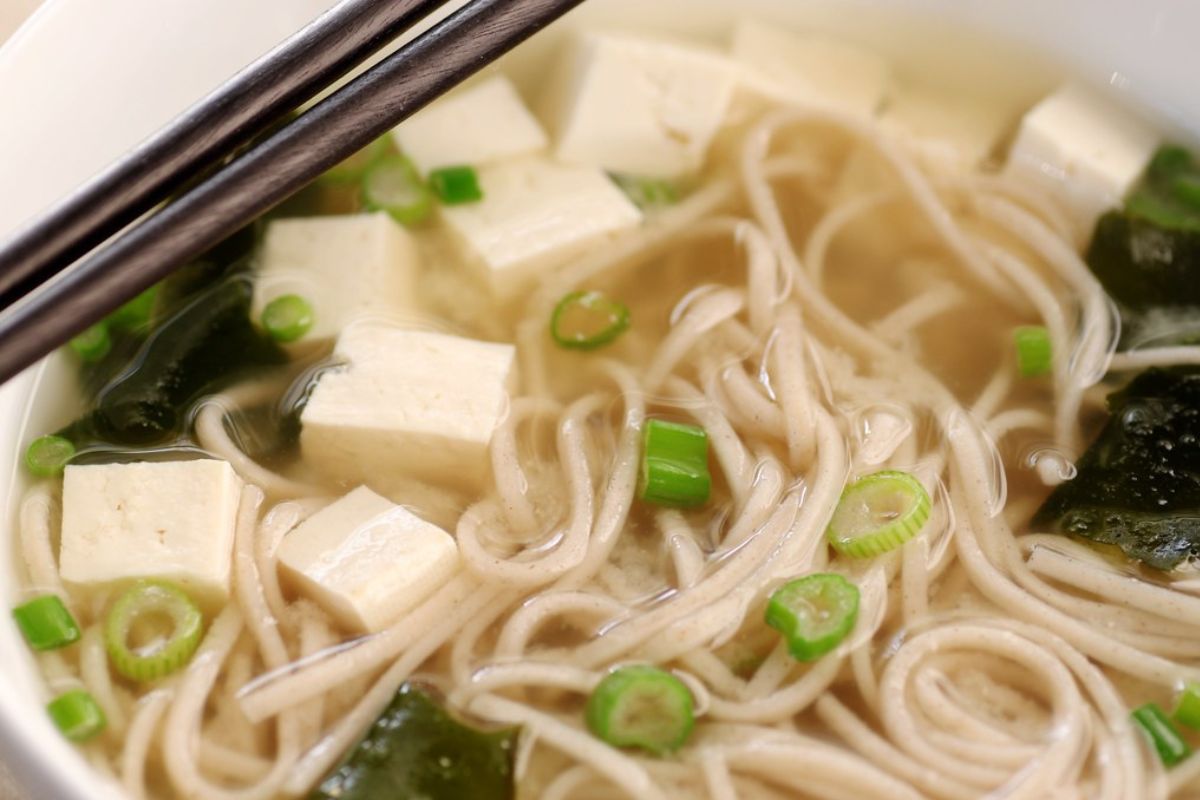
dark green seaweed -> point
(1138, 484)
(206, 345)
(417, 751)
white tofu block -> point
(173, 520)
(348, 267)
(366, 560)
(480, 125)
(536, 214)
(406, 403)
(640, 106)
(1083, 149)
(809, 70)
(948, 129)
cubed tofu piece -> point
(1083, 149)
(406, 403)
(947, 129)
(480, 125)
(535, 214)
(366, 560)
(348, 267)
(173, 520)
(809, 70)
(640, 106)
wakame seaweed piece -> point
(1143, 265)
(206, 345)
(1138, 484)
(415, 749)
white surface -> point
(810, 70)
(486, 123)
(639, 106)
(367, 560)
(406, 403)
(535, 214)
(348, 267)
(172, 520)
(76, 90)
(1083, 149)
(954, 128)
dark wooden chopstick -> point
(240, 110)
(267, 173)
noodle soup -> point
(717, 419)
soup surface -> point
(658, 418)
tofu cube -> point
(1082, 149)
(348, 267)
(640, 106)
(536, 214)
(952, 130)
(406, 403)
(480, 125)
(366, 560)
(809, 70)
(173, 520)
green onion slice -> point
(456, 185)
(393, 185)
(641, 706)
(77, 715)
(137, 313)
(648, 194)
(354, 167)
(48, 455)
(46, 623)
(93, 344)
(1163, 735)
(878, 513)
(287, 317)
(674, 464)
(144, 602)
(587, 320)
(1187, 706)
(1034, 351)
(814, 613)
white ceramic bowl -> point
(83, 80)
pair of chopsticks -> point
(74, 264)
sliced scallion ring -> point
(393, 185)
(144, 601)
(878, 513)
(587, 320)
(814, 613)
(641, 706)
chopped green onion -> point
(287, 317)
(587, 320)
(674, 464)
(47, 455)
(393, 185)
(354, 167)
(146, 600)
(648, 193)
(641, 706)
(136, 314)
(1187, 706)
(1034, 351)
(814, 613)
(93, 344)
(878, 513)
(1162, 734)
(46, 623)
(456, 185)
(1169, 193)
(77, 715)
